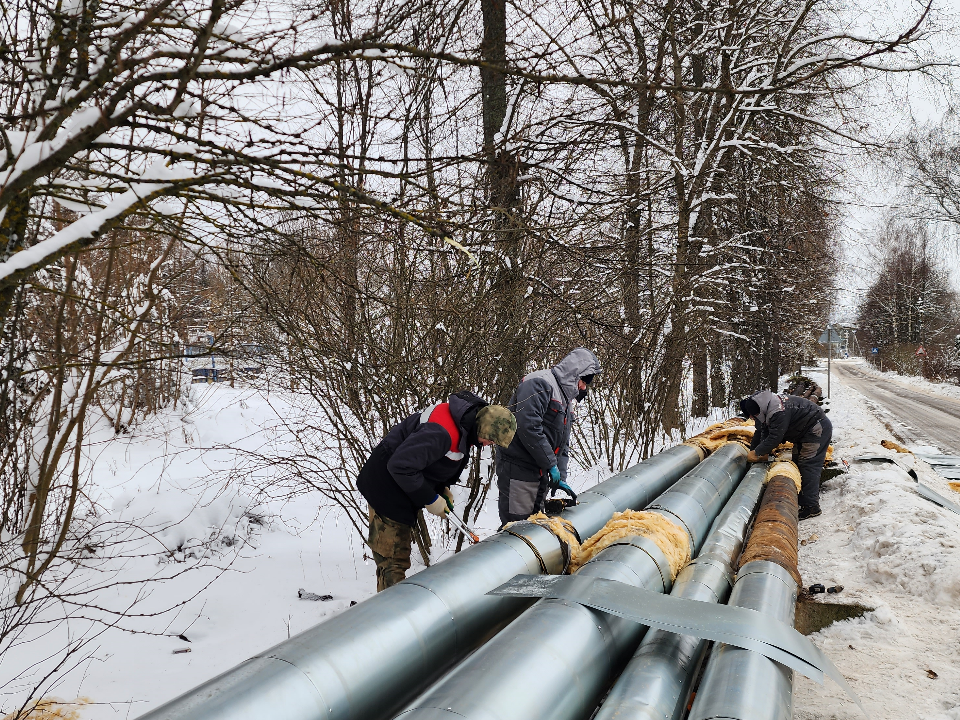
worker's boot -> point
(809, 511)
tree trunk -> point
(504, 199)
(718, 390)
(701, 398)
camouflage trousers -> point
(390, 543)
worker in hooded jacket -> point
(414, 466)
(537, 459)
(788, 418)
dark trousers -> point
(521, 491)
(809, 455)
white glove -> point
(438, 507)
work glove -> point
(448, 495)
(565, 488)
(438, 507)
(554, 480)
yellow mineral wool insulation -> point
(719, 434)
(891, 445)
(672, 540)
(954, 486)
(784, 468)
(563, 529)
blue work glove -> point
(554, 481)
(567, 489)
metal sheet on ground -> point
(736, 626)
(931, 494)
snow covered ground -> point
(891, 550)
(171, 475)
(894, 551)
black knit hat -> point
(749, 407)
(587, 378)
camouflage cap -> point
(496, 423)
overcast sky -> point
(891, 106)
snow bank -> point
(913, 382)
(905, 540)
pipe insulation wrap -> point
(657, 681)
(371, 659)
(558, 657)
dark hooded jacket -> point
(415, 461)
(543, 406)
(782, 418)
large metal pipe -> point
(741, 684)
(557, 658)
(373, 658)
(657, 681)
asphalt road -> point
(918, 417)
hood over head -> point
(574, 366)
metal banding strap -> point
(736, 626)
(543, 564)
(649, 547)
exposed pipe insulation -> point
(741, 684)
(657, 681)
(558, 657)
(370, 660)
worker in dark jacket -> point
(788, 418)
(413, 467)
(537, 460)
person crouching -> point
(413, 467)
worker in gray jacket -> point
(788, 418)
(536, 460)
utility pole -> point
(829, 353)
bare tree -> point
(911, 303)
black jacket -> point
(414, 462)
(782, 418)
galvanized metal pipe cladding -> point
(740, 684)
(557, 658)
(657, 682)
(373, 658)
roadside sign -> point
(834, 337)
(874, 351)
(921, 351)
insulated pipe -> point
(557, 658)
(370, 660)
(657, 681)
(741, 684)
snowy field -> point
(891, 550)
